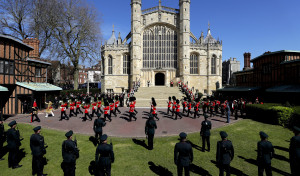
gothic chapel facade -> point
(161, 48)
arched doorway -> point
(159, 79)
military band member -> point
(177, 113)
(150, 131)
(38, 150)
(131, 110)
(63, 114)
(103, 163)
(184, 105)
(2, 138)
(13, 144)
(34, 114)
(265, 153)
(294, 152)
(183, 155)
(196, 108)
(78, 107)
(205, 133)
(189, 107)
(112, 105)
(94, 108)
(97, 127)
(117, 102)
(225, 154)
(72, 107)
(169, 105)
(86, 113)
(70, 153)
(99, 107)
(49, 109)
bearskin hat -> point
(170, 98)
(174, 98)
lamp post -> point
(88, 83)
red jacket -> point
(106, 108)
(99, 104)
(63, 107)
(174, 105)
(72, 106)
(154, 110)
(117, 104)
(169, 104)
(78, 104)
(86, 109)
(131, 108)
(112, 106)
(177, 108)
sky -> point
(254, 26)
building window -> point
(7, 67)
(1, 66)
(193, 64)
(110, 64)
(126, 64)
(267, 68)
(38, 72)
(159, 47)
(213, 65)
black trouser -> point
(224, 167)
(99, 109)
(155, 116)
(173, 112)
(63, 115)
(72, 112)
(135, 111)
(131, 115)
(106, 115)
(177, 114)
(184, 110)
(103, 171)
(78, 110)
(205, 138)
(88, 115)
(180, 170)
(211, 112)
(150, 141)
(117, 109)
(69, 169)
(36, 117)
(113, 112)
(37, 165)
(12, 157)
(195, 114)
(189, 112)
(236, 114)
(98, 135)
(93, 112)
(295, 167)
(262, 167)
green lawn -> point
(133, 159)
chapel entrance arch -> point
(159, 79)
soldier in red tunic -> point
(94, 108)
(106, 109)
(169, 105)
(196, 108)
(117, 102)
(86, 113)
(78, 107)
(154, 114)
(112, 106)
(72, 110)
(99, 107)
(177, 110)
(131, 110)
(63, 114)
(189, 107)
(184, 105)
(174, 105)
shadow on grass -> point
(140, 142)
(281, 148)
(199, 170)
(233, 170)
(94, 140)
(279, 157)
(159, 170)
(254, 162)
(92, 168)
(3, 151)
(20, 155)
(197, 147)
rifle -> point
(111, 143)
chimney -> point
(247, 57)
(34, 43)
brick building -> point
(23, 76)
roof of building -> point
(112, 38)
(38, 61)
(209, 38)
(238, 89)
(15, 40)
(3, 89)
(275, 52)
(285, 89)
(44, 87)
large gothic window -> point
(213, 65)
(159, 47)
(126, 64)
(110, 64)
(193, 64)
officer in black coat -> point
(225, 154)
(38, 150)
(98, 124)
(183, 155)
(265, 152)
(294, 152)
(103, 163)
(13, 144)
(2, 138)
(205, 133)
(150, 131)
(70, 153)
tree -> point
(77, 34)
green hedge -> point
(65, 92)
(274, 114)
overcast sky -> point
(253, 26)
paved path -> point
(120, 127)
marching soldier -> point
(184, 104)
(63, 114)
(94, 108)
(150, 131)
(98, 124)
(112, 105)
(72, 110)
(106, 109)
(174, 105)
(70, 153)
(13, 144)
(265, 152)
(106, 157)
(189, 107)
(86, 113)
(169, 105)
(117, 105)
(38, 150)
(131, 109)
(34, 113)
(294, 152)
(78, 107)
(225, 154)
(196, 108)
(49, 109)
(183, 155)
(2, 138)
(99, 107)
(177, 113)
(205, 133)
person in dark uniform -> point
(70, 153)
(98, 124)
(225, 154)
(107, 157)
(56, 103)
(34, 114)
(2, 138)
(205, 133)
(183, 155)
(150, 131)
(13, 144)
(25, 107)
(265, 152)
(38, 150)
(294, 152)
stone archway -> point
(159, 79)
